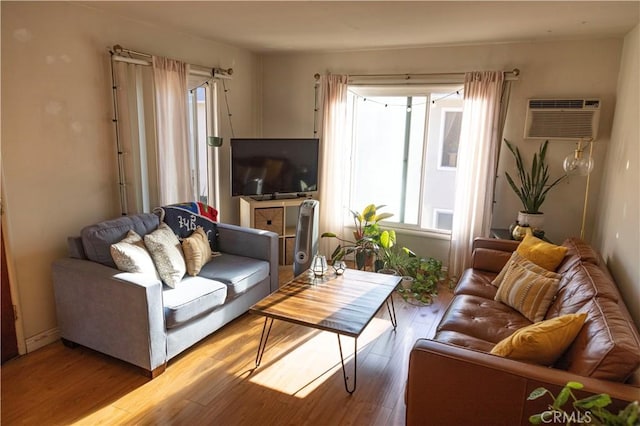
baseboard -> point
(42, 339)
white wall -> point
(58, 145)
(548, 69)
(618, 226)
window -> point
(202, 122)
(404, 153)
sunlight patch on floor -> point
(300, 368)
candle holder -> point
(339, 266)
(319, 265)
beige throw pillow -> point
(167, 254)
(527, 264)
(527, 292)
(197, 251)
(131, 255)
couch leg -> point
(156, 371)
(69, 343)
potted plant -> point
(367, 233)
(533, 185)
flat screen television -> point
(264, 168)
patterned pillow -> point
(131, 255)
(527, 264)
(167, 254)
(196, 250)
(527, 292)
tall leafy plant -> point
(533, 187)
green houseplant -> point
(533, 185)
(366, 237)
(590, 410)
(372, 242)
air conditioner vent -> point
(562, 118)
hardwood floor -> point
(214, 382)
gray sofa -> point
(133, 316)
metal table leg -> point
(355, 365)
(392, 312)
(263, 339)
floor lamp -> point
(576, 164)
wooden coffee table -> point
(342, 304)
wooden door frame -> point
(15, 295)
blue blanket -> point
(183, 220)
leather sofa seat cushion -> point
(481, 318)
(607, 346)
(97, 239)
(580, 284)
(191, 297)
(463, 340)
(477, 283)
(237, 272)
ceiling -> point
(295, 26)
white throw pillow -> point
(167, 255)
(131, 255)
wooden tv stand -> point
(279, 215)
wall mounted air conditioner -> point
(568, 119)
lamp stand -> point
(586, 196)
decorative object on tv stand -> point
(576, 164)
(533, 186)
(519, 232)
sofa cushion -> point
(197, 251)
(190, 298)
(541, 253)
(131, 255)
(237, 272)
(481, 318)
(167, 255)
(607, 346)
(97, 239)
(463, 340)
(579, 285)
(478, 283)
(543, 342)
(526, 291)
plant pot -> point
(407, 282)
(388, 271)
(534, 220)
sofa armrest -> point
(495, 244)
(119, 314)
(249, 242)
(449, 384)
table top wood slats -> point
(342, 304)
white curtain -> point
(477, 158)
(174, 172)
(333, 179)
(136, 136)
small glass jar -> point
(319, 265)
(339, 266)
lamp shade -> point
(578, 164)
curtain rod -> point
(418, 78)
(118, 50)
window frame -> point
(443, 120)
(427, 91)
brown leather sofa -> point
(453, 379)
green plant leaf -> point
(562, 398)
(385, 240)
(594, 401)
(328, 235)
(382, 216)
(536, 419)
(574, 385)
(536, 393)
(369, 213)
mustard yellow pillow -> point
(543, 342)
(197, 251)
(527, 264)
(528, 292)
(541, 253)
